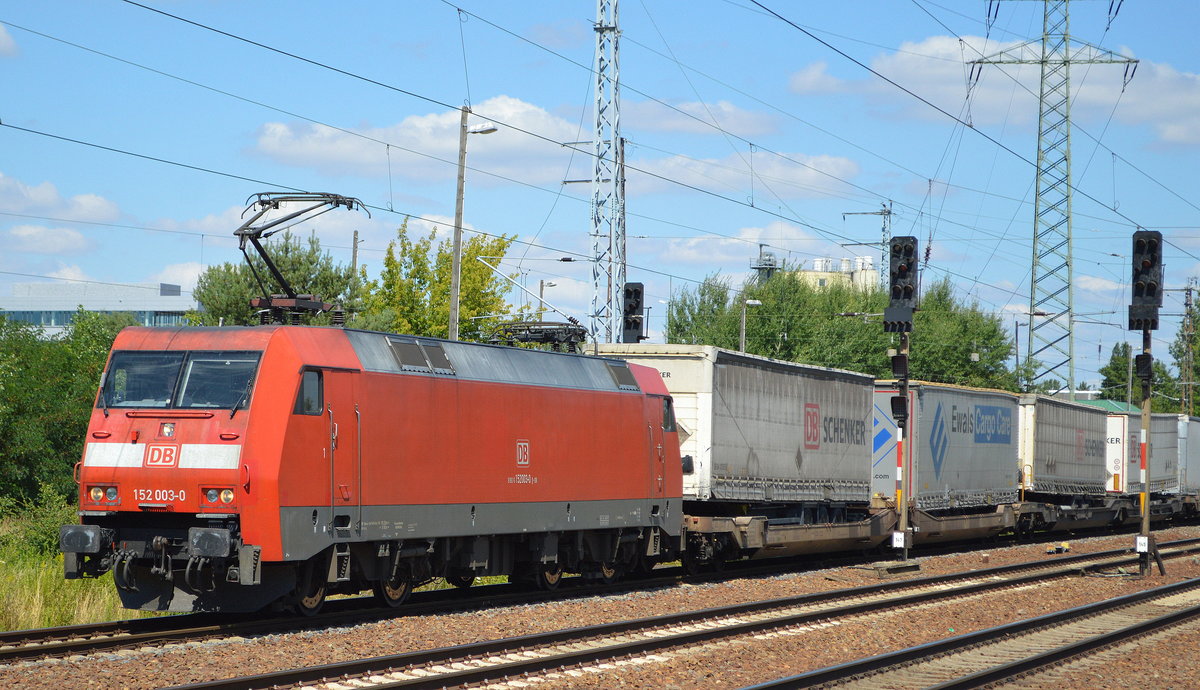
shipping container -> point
(960, 442)
(1062, 450)
(760, 429)
(1189, 455)
(1163, 459)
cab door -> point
(344, 426)
(655, 421)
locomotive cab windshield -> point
(179, 380)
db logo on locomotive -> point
(161, 455)
(522, 453)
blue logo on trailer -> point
(884, 435)
(939, 441)
(993, 424)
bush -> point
(30, 527)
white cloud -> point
(814, 79)
(44, 199)
(35, 239)
(741, 246)
(184, 275)
(791, 176)
(506, 152)
(656, 117)
(936, 69)
(69, 272)
(7, 45)
(1102, 286)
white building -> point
(858, 272)
(53, 305)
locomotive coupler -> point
(162, 565)
(122, 571)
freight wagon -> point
(961, 445)
(776, 454)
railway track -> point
(67, 641)
(1010, 651)
(566, 652)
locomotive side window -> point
(310, 399)
(623, 377)
(437, 357)
(217, 379)
(408, 353)
(668, 415)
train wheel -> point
(460, 581)
(310, 592)
(548, 576)
(393, 592)
(608, 573)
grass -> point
(33, 592)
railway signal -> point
(902, 278)
(898, 318)
(1143, 316)
(1147, 280)
(631, 324)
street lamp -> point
(742, 336)
(542, 285)
(456, 264)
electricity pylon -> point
(1051, 294)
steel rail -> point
(865, 669)
(538, 653)
(113, 635)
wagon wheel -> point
(393, 592)
(548, 576)
(608, 573)
(460, 581)
(310, 591)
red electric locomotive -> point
(228, 469)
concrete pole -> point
(456, 264)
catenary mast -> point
(608, 181)
(1051, 292)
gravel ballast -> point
(727, 664)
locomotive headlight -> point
(210, 495)
(111, 493)
(226, 495)
(96, 494)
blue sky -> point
(741, 130)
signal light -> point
(903, 272)
(1147, 268)
(631, 311)
(1147, 280)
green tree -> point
(1115, 376)
(412, 294)
(224, 291)
(1179, 350)
(47, 390)
(838, 326)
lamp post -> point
(542, 285)
(456, 264)
(742, 334)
